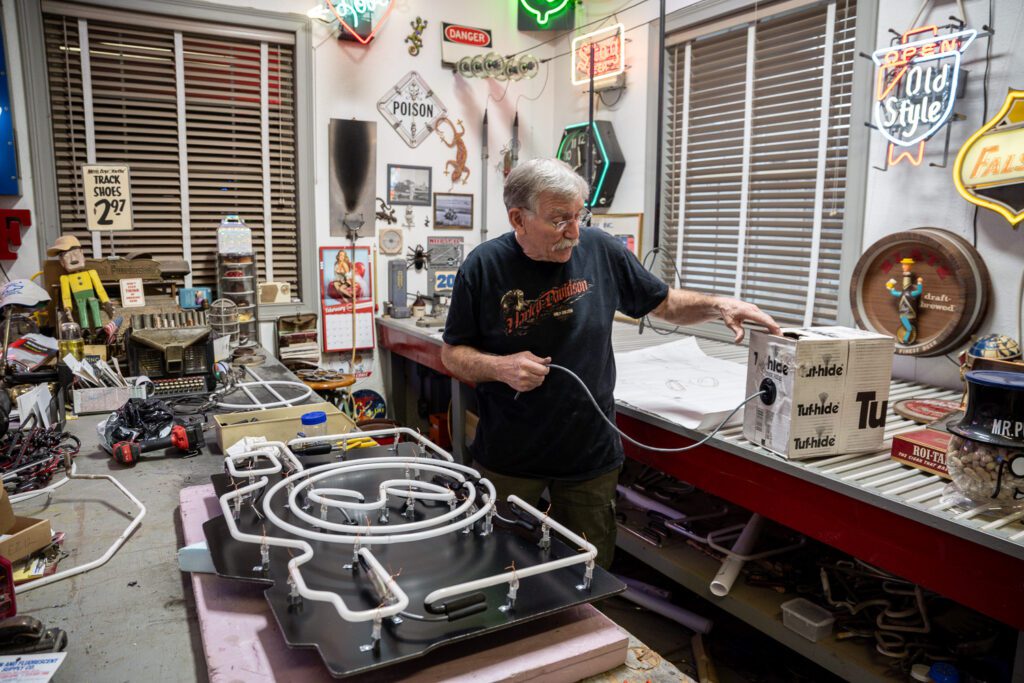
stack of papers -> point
(680, 383)
(299, 346)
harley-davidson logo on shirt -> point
(520, 313)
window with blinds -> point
(757, 127)
(206, 124)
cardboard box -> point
(924, 449)
(26, 536)
(21, 536)
(6, 512)
(831, 391)
(277, 424)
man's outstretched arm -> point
(686, 307)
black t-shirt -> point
(505, 302)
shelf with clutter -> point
(237, 274)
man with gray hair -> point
(547, 292)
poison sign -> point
(108, 197)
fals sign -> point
(989, 170)
(916, 87)
(412, 109)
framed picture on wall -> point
(453, 211)
(409, 185)
(626, 227)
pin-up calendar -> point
(346, 289)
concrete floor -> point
(131, 619)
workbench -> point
(136, 617)
(868, 505)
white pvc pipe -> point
(726, 576)
(590, 552)
(346, 613)
(17, 498)
(637, 585)
(639, 499)
(60, 576)
(692, 621)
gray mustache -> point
(565, 243)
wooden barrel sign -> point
(926, 287)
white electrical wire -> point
(633, 441)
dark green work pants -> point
(586, 507)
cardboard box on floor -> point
(832, 391)
(277, 424)
(21, 536)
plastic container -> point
(807, 619)
(314, 423)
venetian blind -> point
(754, 186)
(236, 161)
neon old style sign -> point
(609, 54)
(915, 88)
(349, 14)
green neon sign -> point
(576, 130)
(544, 10)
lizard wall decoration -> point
(456, 168)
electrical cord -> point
(645, 321)
(633, 441)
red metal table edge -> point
(411, 346)
(974, 575)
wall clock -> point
(608, 159)
(390, 241)
(926, 287)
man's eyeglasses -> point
(582, 218)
